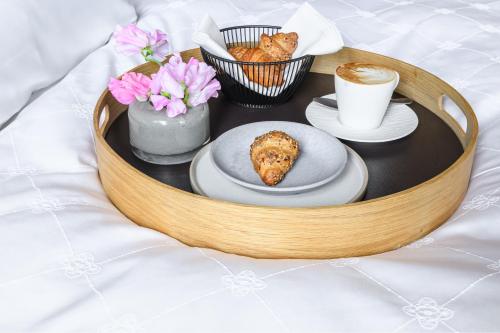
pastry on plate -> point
(278, 47)
(273, 155)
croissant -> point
(266, 75)
(278, 47)
(273, 155)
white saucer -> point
(322, 156)
(349, 186)
(399, 121)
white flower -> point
(81, 264)
(494, 266)
(481, 202)
(421, 242)
(343, 262)
(428, 313)
(243, 283)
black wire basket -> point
(256, 84)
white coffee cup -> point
(364, 93)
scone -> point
(273, 155)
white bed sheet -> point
(70, 262)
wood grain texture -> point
(363, 228)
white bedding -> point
(70, 262)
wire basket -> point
(256, 84)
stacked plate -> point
(325, 173)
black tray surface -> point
(392, 166)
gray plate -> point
(322, 157)
(349, 186)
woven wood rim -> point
(356, 229)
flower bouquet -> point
(168, 111)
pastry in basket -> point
(273, 155)
(278, 47)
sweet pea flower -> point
(163, 83)
(200, 82)
(177, 68)
(132, 86)
(201, 96)
(159, 101)
(175, 88)
(176, 107)
(132, 40)
(159, 45)
(198, 75)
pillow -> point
(42, 40)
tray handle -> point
(103, 119)
(105, 115)
(459, 115)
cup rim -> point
(367, 84)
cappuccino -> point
(366, 73)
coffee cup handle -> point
(396, 82)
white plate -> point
(349, 186)
(322, 157)
(399, 121)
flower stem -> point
(148, 53)
(150, 59)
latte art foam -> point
(366, 73)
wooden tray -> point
(415, 183)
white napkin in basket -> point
(210, 38)
(317, 35)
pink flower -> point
(176, 107)
(176, 67)
(175, 87)
(202, 96)
(198, 75)
(159, 45)
(200, 82)
(131, 87)
(159, 102)
(132, 40)
(164, 82)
